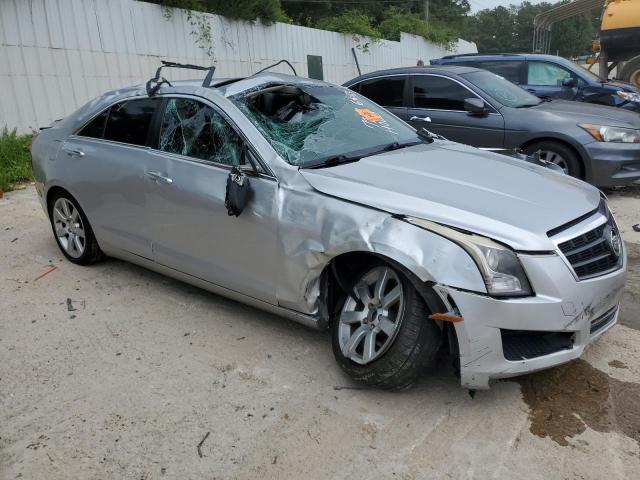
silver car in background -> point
(308, 200)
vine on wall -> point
(200, 29)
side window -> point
(387, 92)
(193, 129)
(438, 93)
(95, 128)
(129, 121)
(509, 70)
(546, 74)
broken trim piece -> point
(446, 317)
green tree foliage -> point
(350, 21)
(267, 11)
(510, 29)
(397, 21)
(372, 18)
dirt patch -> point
(564, 401)
(617, 364)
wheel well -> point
(340, 273)
(527, 144)
(51, 194)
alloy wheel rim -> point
(69, 227)
(369, 323)
(554, 157)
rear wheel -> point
(72, 231)
(631, 71)
(382, 336)
(558, 153)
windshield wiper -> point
(332, 161)
(357, 155)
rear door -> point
(191, 229)
(107, 160)
(388, 92)
(437, 104)
(544, 79)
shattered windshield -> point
(308, 123)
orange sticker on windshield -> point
(368, 115)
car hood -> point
(620, 85)
(500, 197)
(590, 113)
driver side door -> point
(544, 80)
(197, 146)
(438, 105)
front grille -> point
(591, 253)
(602, 321)
(523, 344)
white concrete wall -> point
(56, 55)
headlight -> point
(499, 265)
(602, 133)
(629, 96)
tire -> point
(399, 356)
(553, 151)
(72, 230)
(631, 71)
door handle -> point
(420, 119)
(74, 153)
(158, 177)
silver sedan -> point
(308, 200)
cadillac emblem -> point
(615, 242)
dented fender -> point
(316, 228)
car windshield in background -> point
(588, 73)
(307, 124)
(502, 90)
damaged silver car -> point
(308, 200)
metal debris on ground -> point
(70, 306)
(201, 443)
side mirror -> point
(475, 106)
(238, 192)
(568, 82)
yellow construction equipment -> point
(620, 38)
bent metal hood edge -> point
(500, 197)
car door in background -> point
(437, 104)
(192, 231)
(388, 92)
(110, 156)
(549, 80)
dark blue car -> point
(548, 76)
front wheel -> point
(382, 335)
(559, 154)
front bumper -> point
(561, 304)
(613, 164)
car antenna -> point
(154, 84)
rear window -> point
(388, 92)
(129, 121)
(509, 70)
(95, 128)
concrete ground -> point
(129, 382)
